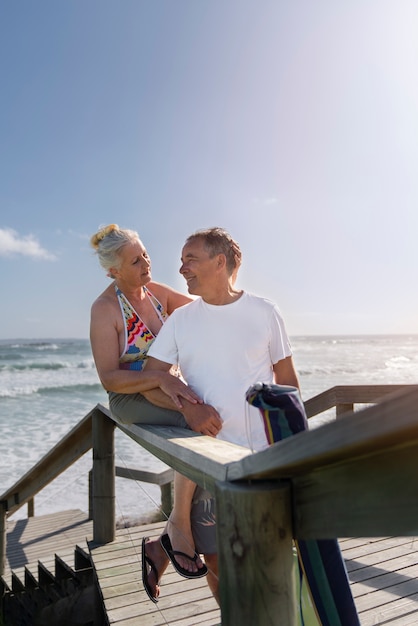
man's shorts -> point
(203, 519)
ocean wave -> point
(7, 356)
(52, 365)
(400, 362)
(34, 345)
(16, 392)
(326, 371)
(71, 388)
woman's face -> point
(135, 266)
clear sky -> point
(293, 124)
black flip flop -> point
(168, 549)
(147, 567)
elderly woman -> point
(125, 320)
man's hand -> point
(203, 419)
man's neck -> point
(225, 297)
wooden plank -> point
(203, 459)
(350, 394)
(156, 478)
(31, 539)
(118, 570)
(372, 495)
(393, 560)
(401, 582)
(126, 588)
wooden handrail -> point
(302, 484)
(391, 425)
(66, 452)
(78, 441)
(348, 395)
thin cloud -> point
(11, 244)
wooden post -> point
(104, 520)
(254, 534)
(90, 496)
(166, 499)
(342, 408)
(31, 507)
(3, 519)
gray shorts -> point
(133, 408)
(203, 519)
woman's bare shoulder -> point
(107, 299)
(168, 296)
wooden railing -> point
(66, 452)
(352, 477)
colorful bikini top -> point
(138, 338)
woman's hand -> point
(176, 389)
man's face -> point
(198, 268)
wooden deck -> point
(383, 573)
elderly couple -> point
(223, 341)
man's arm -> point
(285, 373)
(201, 418)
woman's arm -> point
(104, 339)
(202, 418)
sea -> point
(47, 386)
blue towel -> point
(320, 561)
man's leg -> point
(211, 561)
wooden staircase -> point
(101, 586)
(67, 595)
(49, 578)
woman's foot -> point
(154, 564)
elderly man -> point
(223, 341)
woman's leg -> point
(178, 525)
(136, 409)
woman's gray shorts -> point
(133, 408)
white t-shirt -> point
(222, 351)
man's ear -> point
(221, 261)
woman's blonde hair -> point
(108, 243)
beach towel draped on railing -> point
(321, 566)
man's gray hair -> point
(219, 241)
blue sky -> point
(292, 124)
